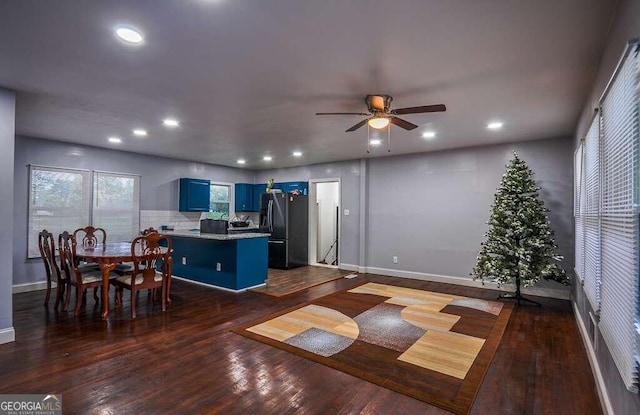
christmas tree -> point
(519, 244)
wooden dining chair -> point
(126, 268)
(152, 268)
(75, 275)
(148, 231)
(89, 237)
(47, 246)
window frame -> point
(88, 191)
(231, 203)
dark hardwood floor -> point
(187, 361)
(286, 282)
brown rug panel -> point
(380, 365)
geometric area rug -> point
(431, 346)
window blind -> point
(578, 206)
(116, 205)
(619, 219)
(58, 201)
(591, 214)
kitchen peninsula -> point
(230, 261)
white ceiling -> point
(245, 78)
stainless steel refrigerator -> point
(286, 217)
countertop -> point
(216, 236)
(244, 228)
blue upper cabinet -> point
(194, 195)
(247, 198)
(244, 200)
(288, 187)
(258, 189)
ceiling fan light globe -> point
(378, 123)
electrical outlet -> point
(184, 260)
(218, 266)
(395, 259)
(346, 212)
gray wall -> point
(431, 209)
(349, 173)
(7, 134)
(625, 26)
(158, 183)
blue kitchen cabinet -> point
(258, 189)
(288, 187)
(194, 195)
(244, 200)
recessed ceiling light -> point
(375, 142)
(129, 35)
(297, 154)
(170, 122)
(241, 161)
(495, 125)
(267, 158)
(429, 134)
(114, 140)
(140, 132)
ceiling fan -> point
(380, 114)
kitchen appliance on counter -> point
(214, 226)
(240, 221)
(286, 217)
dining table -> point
(107, 256)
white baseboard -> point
(351, 267)
(595, 367)
(466, 281)
(7, 335)
(217, 287)
(31, 286)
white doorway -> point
(324, 222)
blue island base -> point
(235, 264)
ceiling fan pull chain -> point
(389, 138)
(368, 139)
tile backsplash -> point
(179, 220)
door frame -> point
(313, 218)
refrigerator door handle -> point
(270, 215)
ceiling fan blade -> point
(358, 125)
(402, 123)
(342, 113)
(418, 110)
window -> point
(60, 200)
(619, 217)
(220, 200)
(578, 210)
(607, 216)
(116, 205)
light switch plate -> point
(346, 212)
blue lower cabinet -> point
(242, 263)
